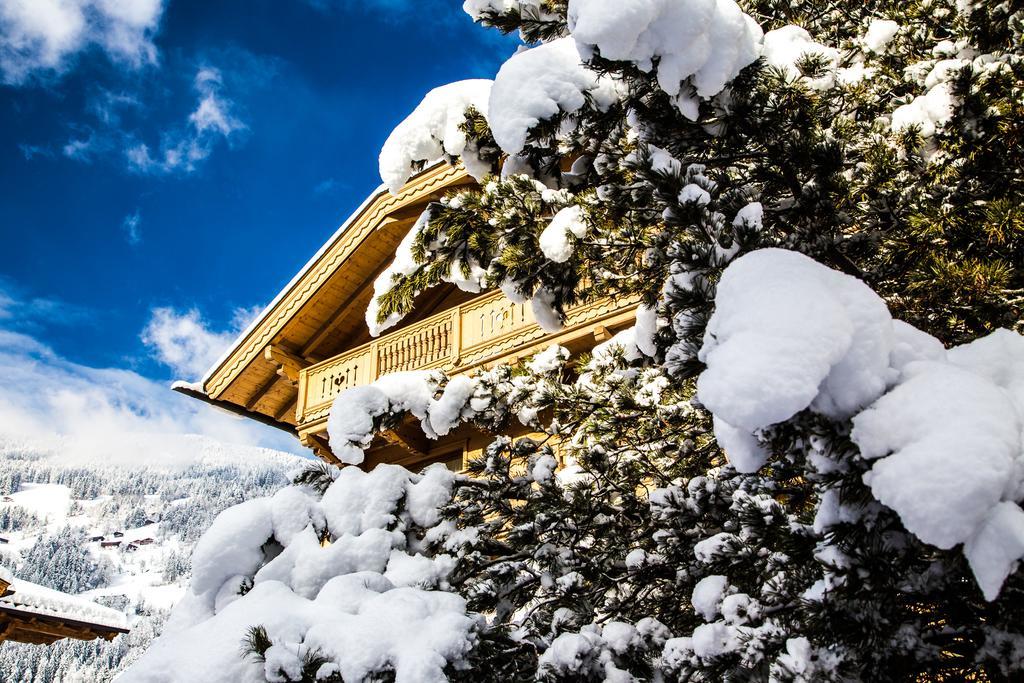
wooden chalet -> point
(35, 614)
(312, 341)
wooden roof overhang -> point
(42, 629)
(26, 622)
(320, 312)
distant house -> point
(131, 548)
(8, 499)
(40, 615)
(96, 538)
(144, 541)
(118, 534)
(150, 521)
(110, 544)
(3, 540)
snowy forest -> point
(52, 510)
(803, 463)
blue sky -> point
(167, 169)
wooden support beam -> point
(329, 327)
(261, 392)
(601, 333)
(29, 627)
(321, 448)
(286, 408)
(288, 364)
(410, 437)
(233, 408)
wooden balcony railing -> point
(483, 330)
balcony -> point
(478, 333)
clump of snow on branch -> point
(433, 132)
(356, 411)
(785, 47)
(787, 334)
(931, 111)
(535, 85)
(879, 34)
(790, 334)
(708, 594)
(367, 602)
(928, 112)
(591, 654)
(706, 41)
(951, 456)
(479, 9)
(555, 241)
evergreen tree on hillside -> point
(64, 562)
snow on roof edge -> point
(30, 597)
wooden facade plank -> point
(331, 326)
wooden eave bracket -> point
(288, 364)
(321, 448)
(408, 436)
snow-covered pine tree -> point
(62, 560)
(782, 472)
(882, 140)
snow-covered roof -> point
(25, 596)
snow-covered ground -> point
(154, 508)
(49, 502)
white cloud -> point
(40, 38)
(183, 149)
(109, 414)
(131, 227)
(80, 149)
(25, 313)
(105, 414)
(32, 151)
(214, 111)
(183, 341)
(327, 186)
(107, 105)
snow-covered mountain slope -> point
(118, 530)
